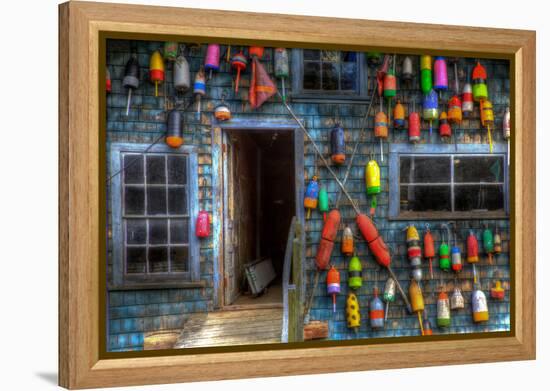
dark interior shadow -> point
(49, 377)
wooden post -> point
(296, 311)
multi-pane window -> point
(154, 214)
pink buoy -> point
(441, 80)
(212, 59)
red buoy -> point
(328, 236)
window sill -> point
(450, 216)
(158, 285)
(328, 98)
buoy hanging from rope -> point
(202, 225)
(479, 76)
(444, 262)
(456, 256)
(414, 252)
(472, 251)
(389, 295)
(281, 68)
(497, 243)
(487, 119)
(222, 111)
(353, 315)
(454, 111)
(498, 292)
(355, 270)
(376, 311)
(427, 325)
(480, 310)
(429, 249)
(156, 70)
(430, 108)
(212, 59)
(417, 302)
(457, 300)
(199, 89)
(398, 115)
(323, 202)
(426, 74)
(488, 244)
(328, 236)
(381, 128)
(443, 309)
(108, 83)
(170, 51)
(372, 178)
(174, 130)
(347, 241)
(333, 285)
(441, 79)
(337, 144)
(181, 75)
(239, 62)
(467, 96)
(506, 131)
(311, 196)
(414, 125)
(407, 69)
(444, 128)
(131, 79)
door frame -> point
(246, 125)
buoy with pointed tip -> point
(337, 144)
(381, 128)
(170, 51)
(347, 241)
(417, 302)
(498, 292)
(199, 89)
(212, 59)
(353, 315)
(323, 202)
(333, 285)
(398, 115)
(426, 74)
(506, 130)
(414, 252)
(281, 68)
(328, 236)
(389, 295)
(108, 83)
(444, 128)
(376, 311)
(131, 79)
(181, 75)
(407, 69)
(472, 251)
(488, 244)
(457, 300)
(429, 249)
(487, 119)
(479, 77)
(443, 310)
(174, 130)
(430, 108)
(372, 178)
(414, 125)
(355, 269)
(480, 310)
(156, 70)
(441, 80)
(311, 196)
(239, 62)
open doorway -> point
(259, 203)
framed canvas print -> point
(305, 189)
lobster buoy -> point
(426, 74)
(174, 131)
(131, 79)
(108, 83)
(429, 249)
(323, 202)
(467, 97)
(347, 241)
(381, 128)
(497, 243)
(497, 292)
(328, 235)
(398, 115)
(430, 110)
(333, 285)
(212, 59)
(389, 295)
(374, 58)
(222, 111)
(256, 51)
(417, 302)
(427, 325)
(170, 51)
(487, 119)
(444, 262)
(156, 70)
(479, 76)
(444, 127)
(372, 178)
(454, 111)
(506, 130)
(407, 69)
(441, 80)
(472, 252)
(414, 125)
(199, 89)
(337, 144)
(239, 62)
(480, 310)
(311, 196)
(390, 84)
(488, 244)
(281, 68)
(443, 310)
(457, 300)
(355, 279)
(353, 316)
(456, 259)
(181, 75)
(414, 253)
(202, 226)
(376, 311)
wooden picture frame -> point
(80, 241)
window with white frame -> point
(153, 238)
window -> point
(153, 239)
(329, 73)
(435, 181)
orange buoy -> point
(429, 249)
(347, 241)
(328, 235)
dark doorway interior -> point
(263, 198)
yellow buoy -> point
(156, 70)
(352, 312)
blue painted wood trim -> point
(216, 221)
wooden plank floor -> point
(237, 327)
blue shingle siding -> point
(131, 313)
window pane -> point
(481, 198)
(158, 231)
(177, 170)
(479, 169)
(349, 76)
(133, 169)
(425, 169)
(349, 56)
(330, 55)
(156, 171)
(136, 231)
(425, 198)
(177, 201)
(158, 260)
(156, 201)
(135, 260)
(179, 231)
(134, 200)
(330, 76)
(311, 54)
(312, 77)
(179, 256)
